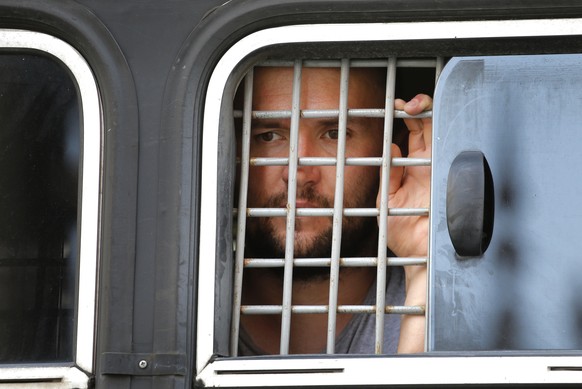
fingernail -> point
(412, 104)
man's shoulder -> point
(359, 335)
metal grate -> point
(293, 161)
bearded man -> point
(318, 137)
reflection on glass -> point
(39, 168)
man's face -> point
(317, 138)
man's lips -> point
(302, 204)
(305, 204)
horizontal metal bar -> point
(403, 115)
(322, 309)
(344, 262)
(357, 63)
(411, 161)
(333, 113)
(416, 63)
(407, 212)
(276, 309)
(406, 310)
(323, 212)
(329, 161)
(282, 114)
(304, 161)
(389, 309)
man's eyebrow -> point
(329, 122)
(322, 122)
(270, 123)
(326, 122)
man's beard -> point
(359, 235)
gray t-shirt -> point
(359, 336)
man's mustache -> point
(307, 194)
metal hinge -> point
(143, 364)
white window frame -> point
(66, 375)
(493, 368)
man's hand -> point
(408, 235)
(410, 186)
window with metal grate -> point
(311, 237)
(271, 137)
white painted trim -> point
(394, 370)
(91, 178)
(43, 377)
(359, 370)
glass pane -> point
(39, 165)
(523, 113)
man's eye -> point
(332, 134)
(268, 136)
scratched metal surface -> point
(525, 114)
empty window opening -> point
(50, 159)
(38, 251)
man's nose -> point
(306, 175)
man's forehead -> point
(277, 78)
(374, 75)
(366, 84)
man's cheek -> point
(361, 188)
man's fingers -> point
(420, 129)
(418, 104)
(416, 141)
(396, 173)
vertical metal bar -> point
(338, 206)
(291, 206)
(383, 213)
(440, 63)
(242, 206)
